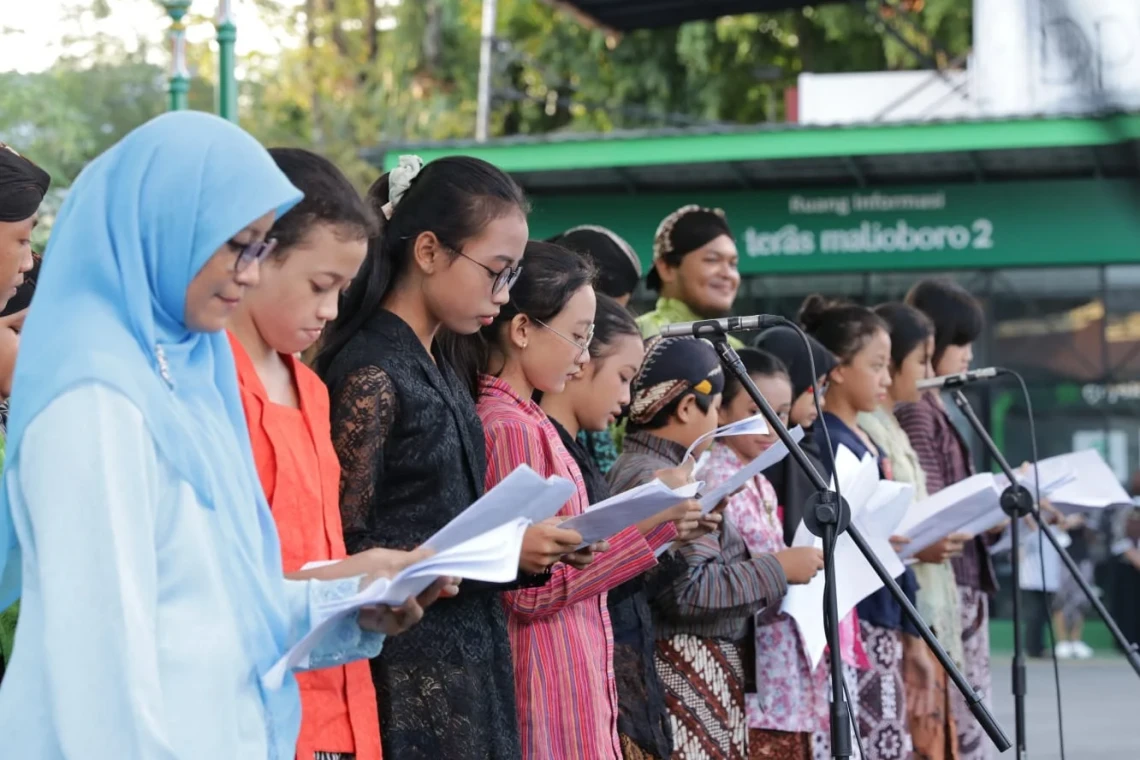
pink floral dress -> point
(789, 696)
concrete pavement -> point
(1101, 702)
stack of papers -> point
(970, 502)
(770, 457)
(754, 425)
(612, 516)
(877, 508)
(482, 543)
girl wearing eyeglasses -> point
(560, 634)
(411, 446)
(130, 499)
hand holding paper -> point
(710, 499)
(546, 543)
(492, 557)
(609, 517)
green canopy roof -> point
(799, 156)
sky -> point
(30, 30)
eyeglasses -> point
(251, 252)
(821, 388)
(584, 347)
(504, 278)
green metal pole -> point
(227, 81)
(179, 88)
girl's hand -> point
(947, 548)
(545, 544)
(392, 621)
(585, 556)
(898, 542)
(800, 563)
(675, 477)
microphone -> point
(713, 327)
(962, 378)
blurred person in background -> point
(694, 270)
(22, 189)
(1070, 604)
(617, 264)
(1125, 550)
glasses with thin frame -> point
(248, 253)
(503, 279)
(583, 347)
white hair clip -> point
(399, 180)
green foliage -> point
(352, 74)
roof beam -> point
(681, 147)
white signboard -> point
(1035, 57)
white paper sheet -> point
(973, 501)
(771, 456)
(1094, 485)
(877, 508)
(492, 557)
(754, 425)
(523, 493)
(612, 516)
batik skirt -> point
(883, 728)
(932, 727)
(704, 692)
(765, 744)
(973, 744)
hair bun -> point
(813, 310)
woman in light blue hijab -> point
(132, 523)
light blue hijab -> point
(138, 225)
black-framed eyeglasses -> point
(584, 347)
(504, 278)
(251, 252)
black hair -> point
(329, 198)
(842, 327)
(956, 314)
(550, 277)
(611, 321)
(454, 198)
(909, 329)
(619, 270)
(758, 364)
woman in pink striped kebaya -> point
(560, 632)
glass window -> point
(1048, 324)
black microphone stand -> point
(827, 517)
(1017, 502)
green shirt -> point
(670, 311)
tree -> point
(355, 73)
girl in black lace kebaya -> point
(411, 445)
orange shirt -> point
(300, 473)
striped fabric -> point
(946, 460)
(560, 633)
(724, 586)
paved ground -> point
(1101, 702)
